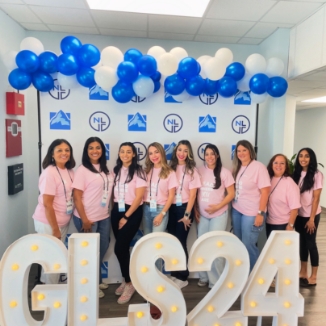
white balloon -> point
(179, 53)
(184, 96)
(167, 64)
(243, 84)
(106, 77)
(275, 67)
(111, 57)
(156, 51)
(225, 55)
(214, 69)
(67, 82)
(32, 44)
(202, 60)
(256, 98)
(9, 60)
(255, 64)
(143, 86)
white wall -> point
(310, 132)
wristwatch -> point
(187, 214)
(163, 213)
(261, 213)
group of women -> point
(167, 197)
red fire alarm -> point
(15, 103)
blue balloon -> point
(85, 77)
(122, 92)
(227, 86)
(174, 84)
(42, 81)
(48, 62)
(235, 70)
(132, 55)
(88, 55)
(28, 61)
(157, 86)
(70, 45)
(195, 85)
(67, 64)
(19, 79)
(147, 65)
(188, 67)
(259, 83)
(211, 87)
(127, 71)
(277, 86)
(156, 76)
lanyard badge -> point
(69, 206)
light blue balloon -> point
(143, 86)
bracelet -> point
(125, 217)
(291, 225)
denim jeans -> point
(205, 225)
(244, 229)
(148, 218)
(103, 228)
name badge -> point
(69, 207)
(152, 205)
(121, 205)
(104, 198)
(178, 200)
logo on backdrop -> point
(207, 124)
(240, 124)
(172, 123)
(141, 150)
(242, 98)
(138, 99)
(208, 99)
(99, 121)
(137, 122)
(168, 98)
(58, 92)
(107, 151)
(169, 150)
(201, 151)
(97, 93)
(105, 269)
(232, 151)
(60, 120)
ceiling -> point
(224, 21)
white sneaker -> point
(181, 284)
(202, 283)
(101, 294)
(103, 286)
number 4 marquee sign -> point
(76, 303)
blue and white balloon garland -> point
(133, 73)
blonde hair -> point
(166, 169)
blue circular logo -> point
(208, 99)
(173, 123)
(138, 99)
(201, 150)
(99, 121)
(141, 150)
(58, 92)
(240, 124)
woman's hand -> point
(310, 226)
(211, 209)
(158, 220)
(57, 233)
(186, 222)
(259, 220)
(87, 226)
(122, 223)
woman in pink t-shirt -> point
(310, 182)
(252, 186)
(211, 212)
(53, 211)
(180, 214)
(92, 193)
(127, 212)
(284, 198)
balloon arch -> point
(133, 73)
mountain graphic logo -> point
(207, 124)
(97, 93)
(168, 98)
(107, 151)
(169, 150)
(232, 151)
(60, 120)
(104, 269)
(137, 122)
(242, 98)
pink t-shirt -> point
(93, 186)
(249, 181)
(209, 196)
(127, 191)
(187, 182)
(159, 187)
(50, 183)
(307, 196)
(284, 198)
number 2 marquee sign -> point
(76, 303)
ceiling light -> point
(190, 8)
(316, 100)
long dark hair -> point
(270, 166)
(133, 167)
(236, 162)
(218, 164)
(102, 160)
(190, 162)
(48, 159)
(309, 179)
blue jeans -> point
(103, 228)
(148, 218)
(205, 225)
(244, 229)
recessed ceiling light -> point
(190, 8)
(316, 100)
